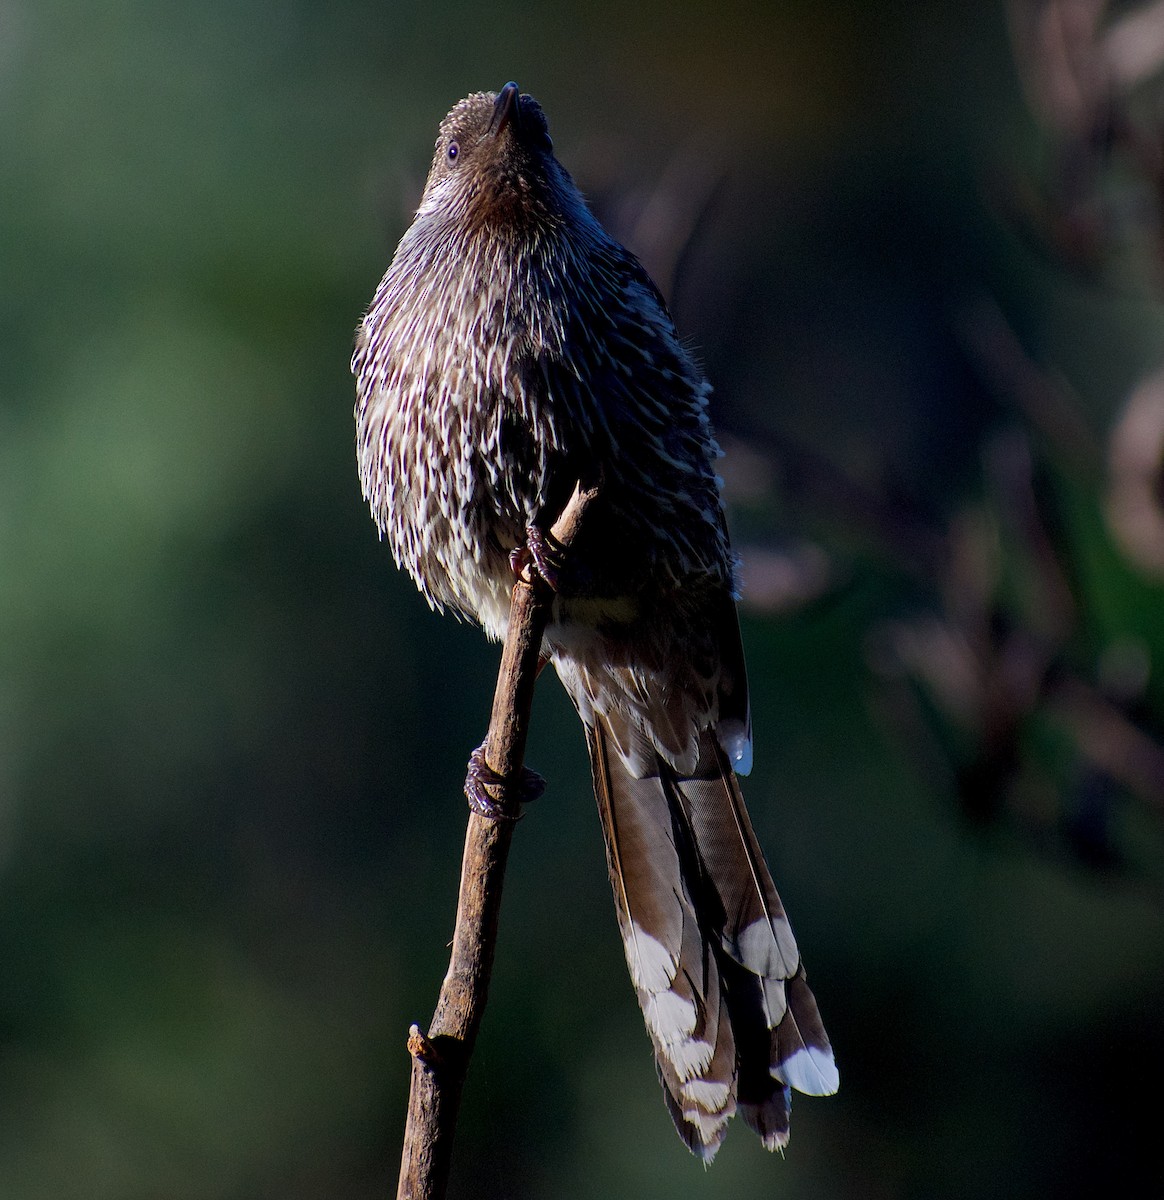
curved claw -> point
(543, 553)
(495, 796)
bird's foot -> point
(499, 797)
(544, 554)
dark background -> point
(924, 279)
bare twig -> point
(440, 1060)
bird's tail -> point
(710, 950)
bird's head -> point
(494, 162)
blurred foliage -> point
(232, 737)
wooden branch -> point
(440, 1060)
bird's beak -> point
(506, 109)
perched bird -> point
(513, 349)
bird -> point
(512, 350)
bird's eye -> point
(452, 152)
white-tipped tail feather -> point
(710, 950)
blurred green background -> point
(232, 737)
